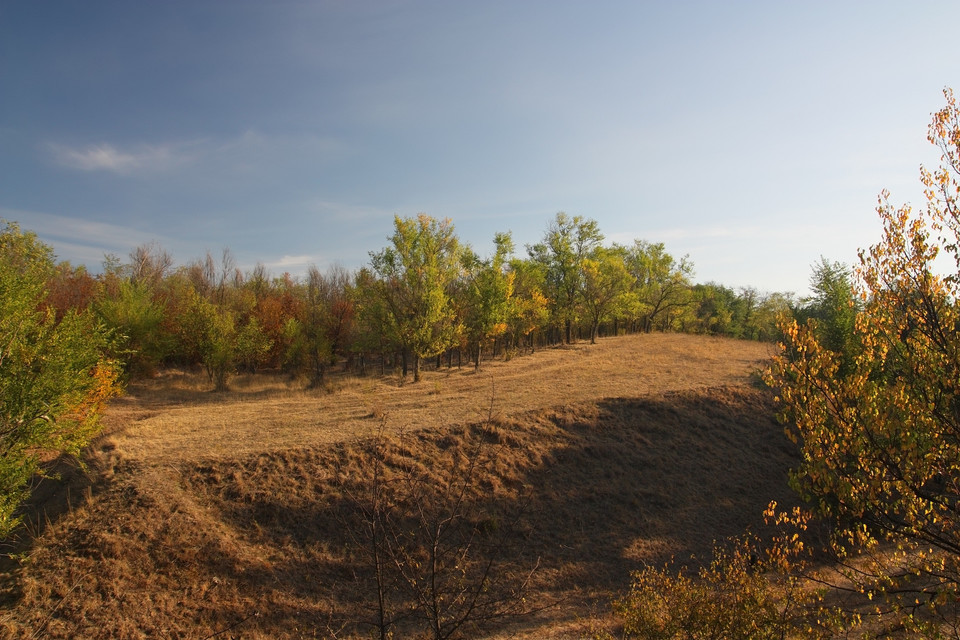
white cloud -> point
(106, 157)
(291, 263)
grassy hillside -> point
(205, 513)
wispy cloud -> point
(106, 157)
(291, 263)
(81, 241)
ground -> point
(204, 514)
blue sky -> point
(752, 136)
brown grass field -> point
(206, 515)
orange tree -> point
(880, 426)
(54, 377)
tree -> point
(323, 331)
(54, 375)
(219, 339)
(606, 288)
(131, 311)
(485, 296)
(529, 308)
(415, 275)
(881, 431)
(661, 283)
(566, 244)
(833, 307)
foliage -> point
(880, 430)
(745, 314)
(54, 376)
(752, 588)
(529, 309)
(323, 331)
(486, 296)
(216, 337)
(606, 289)
(137, 319)
(662, 284)
(566, 244)
(832, 309)
(415, 276)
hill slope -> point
(204, 510)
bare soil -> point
(220, 515)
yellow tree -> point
(485, 296)
(415, 276)
(881, 433)
(606, 288)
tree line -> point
(426, 295)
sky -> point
(753, 137)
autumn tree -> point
(219, 338)
(529, 308)
(881, 431)
(606, 288)
(661, 282)
(70, 289)
(323, 331)
(485, 295)
(54, 375)
(414, 278)
(279, 302)
(568, 241)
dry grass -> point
(205, 509)
(176, 418)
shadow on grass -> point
(605, 490)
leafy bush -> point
(54, 377)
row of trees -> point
(68, 337)
(424, 294)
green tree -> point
(606, 288)
(485, 296)
(414, 279)
(374, 328)
(54, 375)
(661, 283)
(881, 431)
(832, 308)
(137, 319)
(219, 339)
(567, 242)
(324, 331)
